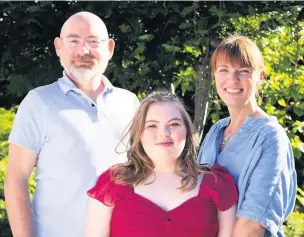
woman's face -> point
(164, 135)
(237, 86)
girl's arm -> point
(226, 220)
(98, 219)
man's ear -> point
(111, 46)
(57, 44)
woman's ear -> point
(262, 75)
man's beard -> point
(82, 73)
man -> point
(69, 130)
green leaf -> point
(185, 25)
(297, 153)
(171, 48)
(299, 112)
(146, 37)
(125, 28)
(282, 102)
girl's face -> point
(237, 86)
(164, 135)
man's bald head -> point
(86, 18)
(84, 47)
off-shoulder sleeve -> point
(105, 190)
(223, 190)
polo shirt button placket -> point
(99, 114)
(100, 108)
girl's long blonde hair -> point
(139, 166)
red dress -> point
(136, 216)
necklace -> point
(226, 139)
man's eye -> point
(93, 41)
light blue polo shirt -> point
(260, 158)
(75, 139)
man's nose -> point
(84, 48)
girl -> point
(161, 190)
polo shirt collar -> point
(66, 84)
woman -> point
(161, 190)
(250, 144)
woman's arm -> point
(226, 220)
(98, 219)
(270, 190)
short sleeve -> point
(270, 194)
(223, 190)
(105, 190)
(29, 127)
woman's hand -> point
(247, 228)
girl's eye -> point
(174, 124)
(151, 126)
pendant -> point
(225, 140)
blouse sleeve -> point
(223, 190)
(271, 190)
(105, 190)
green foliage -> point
(150, 37)
(6, 122)
(159, 44)
(295, 222)
(295, 225)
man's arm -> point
(247, 228)
(21, 162)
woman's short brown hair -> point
(139, 166)
(239, 51)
